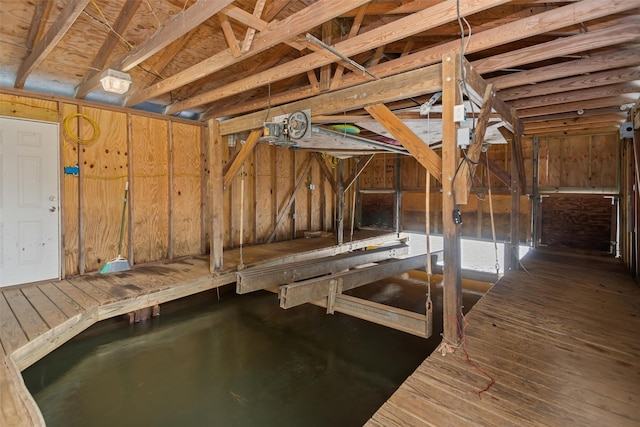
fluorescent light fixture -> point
(115, 81)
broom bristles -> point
(119, 263)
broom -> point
(119, 263)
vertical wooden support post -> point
(81, 261)
(515, 197)
(341, 204)
(204, 179)
(131, 199)
(398, 204)
(171, 192)
(294, 174)
(452, 290)
(255, 195)
(535, 208)
(275, 171)
(216, 190)
(61, 192)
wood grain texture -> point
(103, 174)
(150, 189)
(187, 191)
(548, 339)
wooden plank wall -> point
(270, 175)
(476, 217)
(580, 162)
(150, 151)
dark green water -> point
(239, 361)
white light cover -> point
(116, 81)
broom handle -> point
(124, 210)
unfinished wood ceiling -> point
(566, 66)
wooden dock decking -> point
(562, 343)
(37, 318)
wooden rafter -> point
(584, 105)
(49, 41)
(409, 84)
(232, 42)
(620, 31)
(280, 32)
(404, 27)
(251, 32)
(177, 27)
(355, 28)
(590, 64)
(122, 22)
(38, 22)
(576, 96)
(409, 140)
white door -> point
(29, 201)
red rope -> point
(469, 360)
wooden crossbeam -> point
(177, 27)
(362, 164)
(49, 41)
(409, 140)
(294, 294)
(423, 20)
(246, 149)
(409, 84)
(325, 171)
(279, 32)
(261, 277)
(466, 169)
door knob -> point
(52, 208)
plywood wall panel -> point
(604, 160)
(28, 108)
(187, 189)
(103, 174)
(575, 162)
(265, 167)
(285, 183)
(150, 188)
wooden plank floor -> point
(561, 341)
(37, 318)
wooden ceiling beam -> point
(355, 29)
(38, 22)
(254, 22)
(576, 95)
(399, 29)
(621, 31)
(616, 58)
(122, 22)
(409, 140)
(58, 29)
(574, 128)
(576, 121)
(587, 131)
(277, 33)
(584, 105)
(251, 32)
(177, 27)
(603, 78)
(409, 84)
(246, 149)
(574, 115)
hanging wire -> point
(76, 138)
(493, 225)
